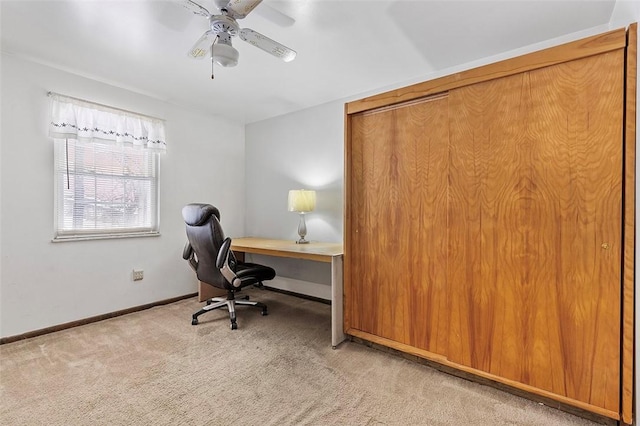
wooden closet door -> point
(399, 161)
(535, 228)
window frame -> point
(77, 234)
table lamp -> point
(302, 201)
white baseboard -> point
(321, 291)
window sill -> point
(63, 239)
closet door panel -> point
(399, 161)
(535, 228)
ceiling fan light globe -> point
(224, 55)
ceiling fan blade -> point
(202, 47)
(265, 43)
(195, 8)
(241, 8)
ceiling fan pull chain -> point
(212, 61)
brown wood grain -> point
(600, 43)
(473, 373)
(397, 281)
(629, 226)
(535, 218)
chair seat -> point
(251, 273)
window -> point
(107, 189)
(106, 180)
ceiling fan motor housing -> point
(224, 24)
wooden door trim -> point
(589, 46)
(628, 279)
(346, 266)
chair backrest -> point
(205, 236)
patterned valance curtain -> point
(73, 118)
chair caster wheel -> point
(234, 326)
(194, 321)
(264, 313)
(246, 297)
(208, 302)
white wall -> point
(302, 150)
(43, 283)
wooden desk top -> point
(321, 252)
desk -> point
(320, 252)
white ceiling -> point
(345, 47)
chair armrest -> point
(188, 254)
(225, 261)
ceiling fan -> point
(223, 26)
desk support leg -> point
(337, 325)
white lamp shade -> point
(224, 55)
(302, 200)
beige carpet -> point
(155, 368)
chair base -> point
(230, 303)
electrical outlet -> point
(138, 274)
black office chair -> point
(209, 254)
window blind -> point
(105, 189)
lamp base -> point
(302, 230)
